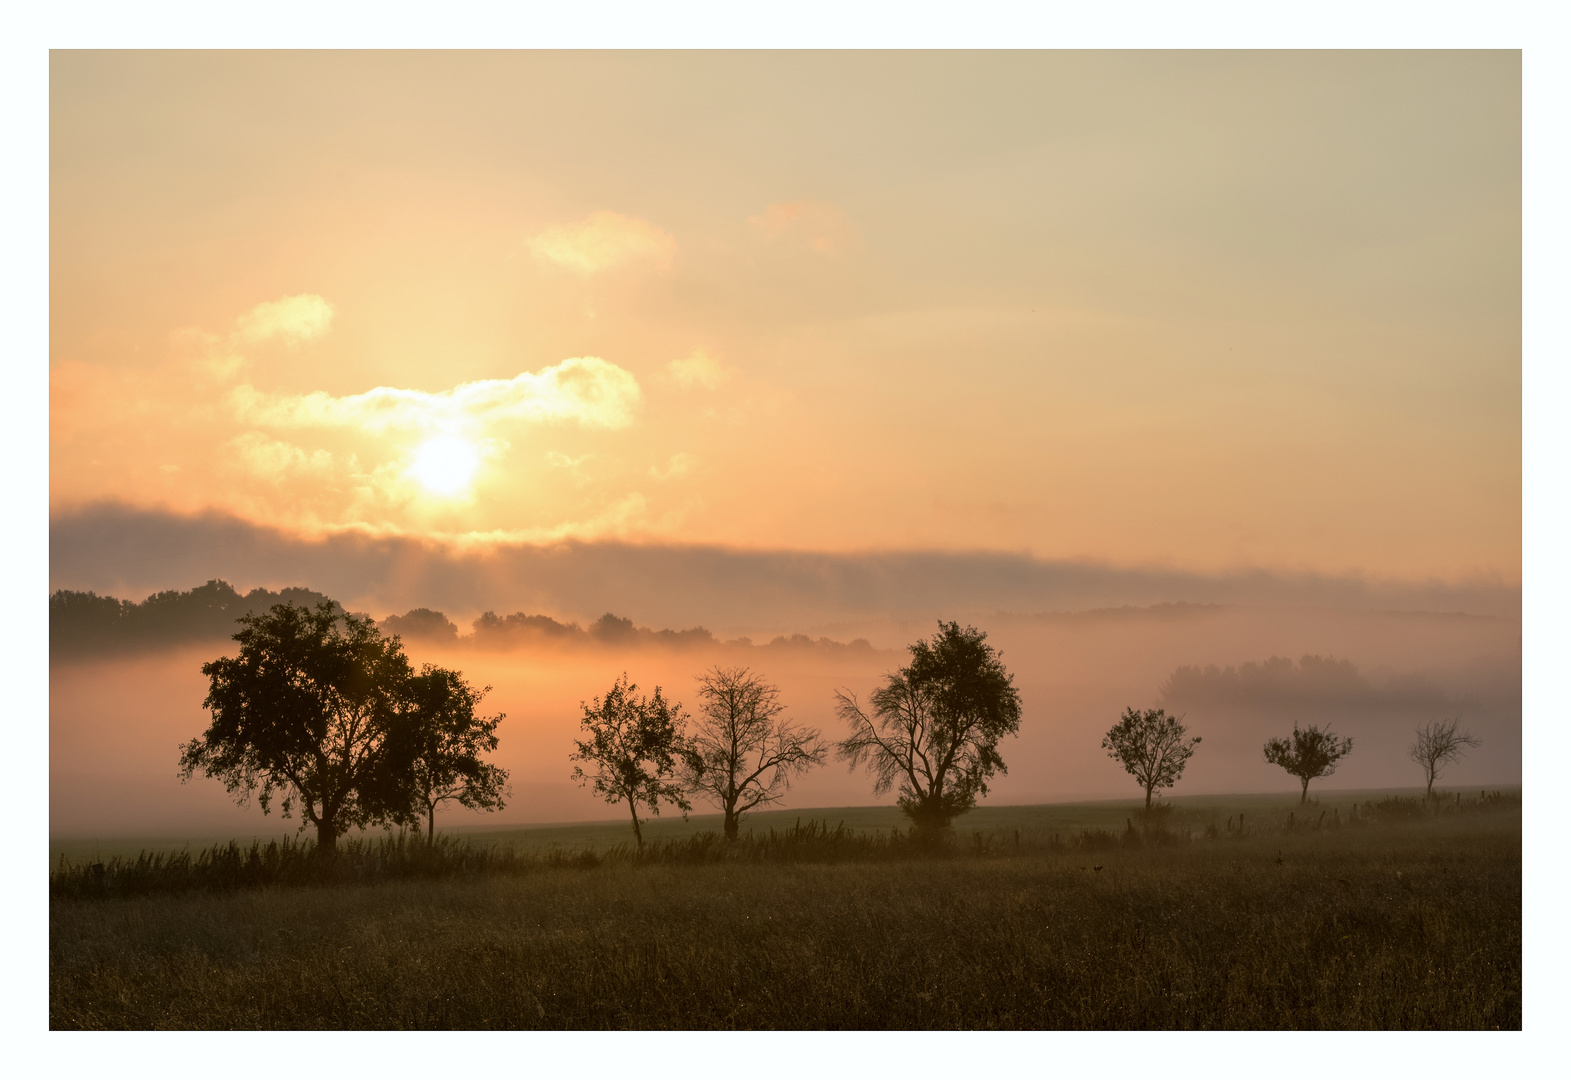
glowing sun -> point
(445, 465)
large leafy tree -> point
(1151, 747)
(304, 713)
(1311, 752)
(633, 750)
(438, 745)
(742, 751)
(934, 725)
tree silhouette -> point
(422, 623)
(742, 752)
(1438, 743)
(1151, 748)
(1310, 753)
(935, 725)
(437, 745)
(634, 749)
(305, 711)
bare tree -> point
(1151, 748)
(634, 749)
(935, 725)
(1437, 745)
(742, 753)
(1310, 753)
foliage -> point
(935, 725)
(1310, 753)
(743, 753)
(437, 747)
(323, 712)
(84, 622)
(1151, 748)
(634, 749)
(304, 712)
(1438, 743)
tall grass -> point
(1397, 923)
(409, 857)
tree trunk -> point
(1305, 796)
(430, 823)
(638, 834)
(326, 838)
(1148, 800)
(731, 824)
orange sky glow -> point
(1200, 311)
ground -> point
(1335, 923)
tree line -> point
(323, 713)
(83, 623)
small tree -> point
(1437, 745)
(438, 745)
(935, 725)
(1151, 748)
(634, 749)
(743, 754)
(1310, 753)
(305, 711)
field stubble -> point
(1406, 923)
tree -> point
(1437, 745)
(305, 711)
(935, 725)
(635, 747)
(437, 746)
(1310, 753)
(742, 753)
(1151, 748)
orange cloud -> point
(291, 320)
(820, 226)
(585, 389)
(602, 241)
(700, 370)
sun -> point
(445, 465)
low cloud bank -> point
(1313, 687)
(118, 549)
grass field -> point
(1383, 921)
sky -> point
(834, 343)
(1205, 312)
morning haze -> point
(1113, 382)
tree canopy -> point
(438, 745)
(935, 725)
(322, 712)
(1151, 747)
(1311, 752)
(634, 748)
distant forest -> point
(84, 623)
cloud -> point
(819, 226)
(603, 241)
(274, 460)
(698, 370)
(113, 547)
(584, 389)
(291, 320)
(1314, 688)
(679, 466)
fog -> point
(116, 723)
(130, 553)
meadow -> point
(1364, 910)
